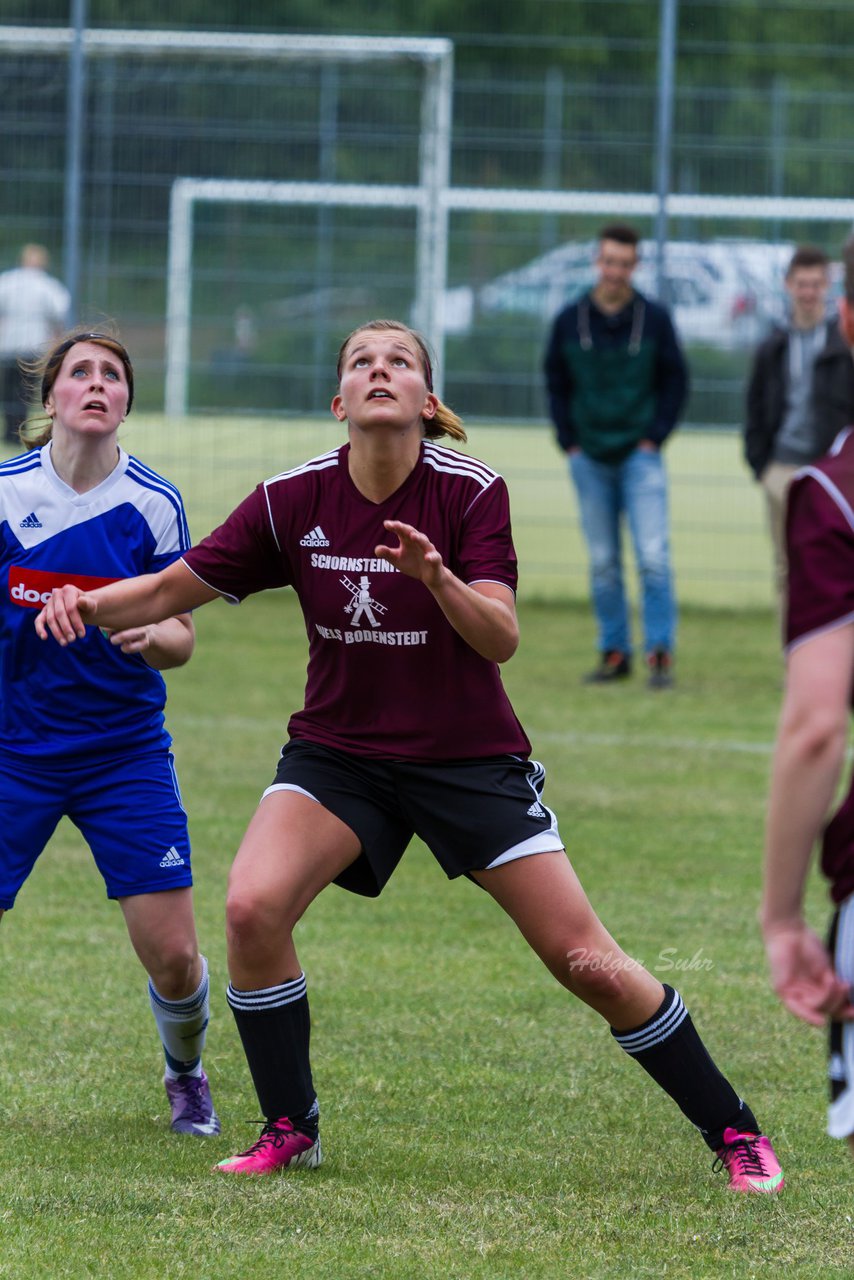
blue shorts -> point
(127, 808)
(472, 814)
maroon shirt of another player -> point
(820, 538)
(388, 676)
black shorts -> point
(471, 814)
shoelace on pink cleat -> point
(271, 1135)
(743, 1157)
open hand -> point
(66, 615)
(132, 640)
(415, 556)
(803, 976)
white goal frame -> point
(430, 268)
(434, 202)
(436, 56)
(432, 198)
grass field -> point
(478, 1124)
(721, 548)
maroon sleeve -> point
(820, 545)
(486, 551)
(242, 555)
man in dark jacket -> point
(616, 381)
(800, 393)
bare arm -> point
(163, 645)
(131, 603)
(483, 614)
(808, 758)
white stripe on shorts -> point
(840, 1113)
(543, 842)
(288, 786)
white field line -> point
(647, 741)
(639, 741)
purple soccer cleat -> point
(192, 1107)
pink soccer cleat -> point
(750, 1161)
(280, 1146)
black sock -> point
(274, 1026)
(308, 1121)
(668, 1047)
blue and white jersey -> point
(89, 697)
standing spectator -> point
(814, 981)
(617, 380)
(33, 310)
(800, 393)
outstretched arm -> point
(808, 758)
(131, 603)
(483, 614)
(163, 645)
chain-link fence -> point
(274, 287)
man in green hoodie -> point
(617, 381)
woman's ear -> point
(431, 404)
(338, 409)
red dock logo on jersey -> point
(31, 588)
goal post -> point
(434, 202)
(427, 198)
(431, 252)
(100, 41)
(435, 54)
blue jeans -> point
(636, 488)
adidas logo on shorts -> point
(316, 538)
(536, 810)
(172, 858)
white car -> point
(721, 293)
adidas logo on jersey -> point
(31, 522)
(172, 858)
(536, 810)
(316, 538)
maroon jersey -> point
(388, 676)
(820, 539)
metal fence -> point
(274, 287)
